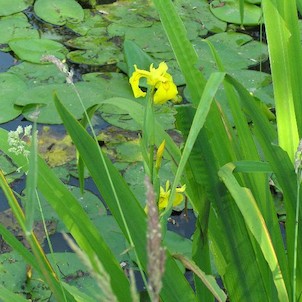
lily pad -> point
(110, 84)
(91, 204)
(129, 13)
(109, 54)
(16, 26)
(58, 12)
(236, 51)
(113, 236)
(11, 86)
(13, 6)
(229, 11)
(92, 20)
(87, 42)
(12, 271)
(32, 50)
(41, 99)
(198, 11)
(37, 74)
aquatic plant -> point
(229, 162)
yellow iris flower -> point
(159, 79)
(165, 194)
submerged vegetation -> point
(194, 128)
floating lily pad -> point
(32, 50)
(91, 204)
(37, 74)
(11, 86)
(236, 50)
(110, 84)
(107, 54)
(13, 6)
(87, 42)
(41, 99)
(113, 236)
(92, 20)
(16, 26)
(198, 11)
(178, 244)
(58, 12)
(129, 13)
(229, 11)
(12, 271)
(120, 118)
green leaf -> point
(13, 6)
(11, 86)
(41, 97)
(123, 205)
(32, 50)
(36, 74)
(109, 55)
(16, 26)
(256, 224)
(59, 12)
(208, 280)
(229, 11)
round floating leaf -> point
(36, 74)
(11, 86)
(12, 271)
(109, 54)
(92, 21)
(229, 11)
(13, 6)
(32, 50)
(59, 12)
(40, 99)
(129, 13)
(16, 26)
(199, 12)
(236, 51)
(110, 84)
(86, 42)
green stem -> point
(296, 236)
(149, 134)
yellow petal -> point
(165, 91)
(159, 154)
(178, 199)
(134, 81)
(181, 189)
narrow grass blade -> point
(202, 111)
(31, 183)
(283, 37)
(123, 205)
(256, 224)
(208, 280)
(40, 258)
(184, 52)
(281, 166)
